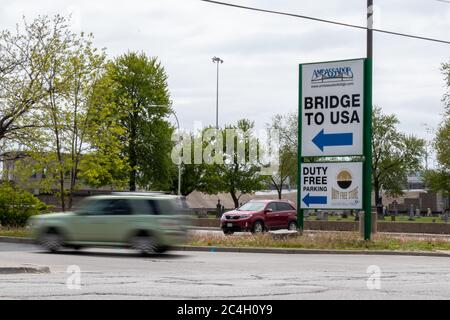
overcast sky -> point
(261, 51)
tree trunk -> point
(70, 198)
(61, 171)
(73, 151)
(132, 153)
(61, 188)
(73, 180)
(378, 199)
(59, 158)
(61, 174)
(279, 188)
(235, 198)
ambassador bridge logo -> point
(332, 75)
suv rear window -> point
(166, 206)
(155, 206)
(283, 206)
(144, 206)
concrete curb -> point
(16, 240)
(24, 269)
(204, 229)
(276, 250)
(394, 234)
(312, 251)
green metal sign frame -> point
(367, 150)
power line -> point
(327, 21)
(445, 1)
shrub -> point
(17, 205)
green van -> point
(149, 223)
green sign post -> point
(367, 175)
(335, 120)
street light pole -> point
(218, 61)
(429, 130)
(178, 126)
(179, 164)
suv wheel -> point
(228, 232)
(51, 240)
(258, 227)
(145, 244)
(161, 249)
(292, 226)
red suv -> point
(260, 215)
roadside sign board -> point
(332, 108)
(332, 185)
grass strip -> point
(333, 241)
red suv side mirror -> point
(268, 210)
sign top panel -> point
(332, 108)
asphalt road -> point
(121, 274)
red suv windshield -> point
(252, 206)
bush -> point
(17, 205)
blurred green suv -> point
(149, 223)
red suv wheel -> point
(258, 227)
(292, 226)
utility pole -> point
(218, 61)
(369, 29)
(367, 202)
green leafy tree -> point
(17, 205)
(191, 179)
(439, 179)
(68, 113)
(140, 94)
(50, 138)
(446, 73)
(84, 68)
(192, 173)
(232, 175)
(287, 127)
(442, 143)
(103, 164)
(395, 155)
(75, 124)
(25, 57)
